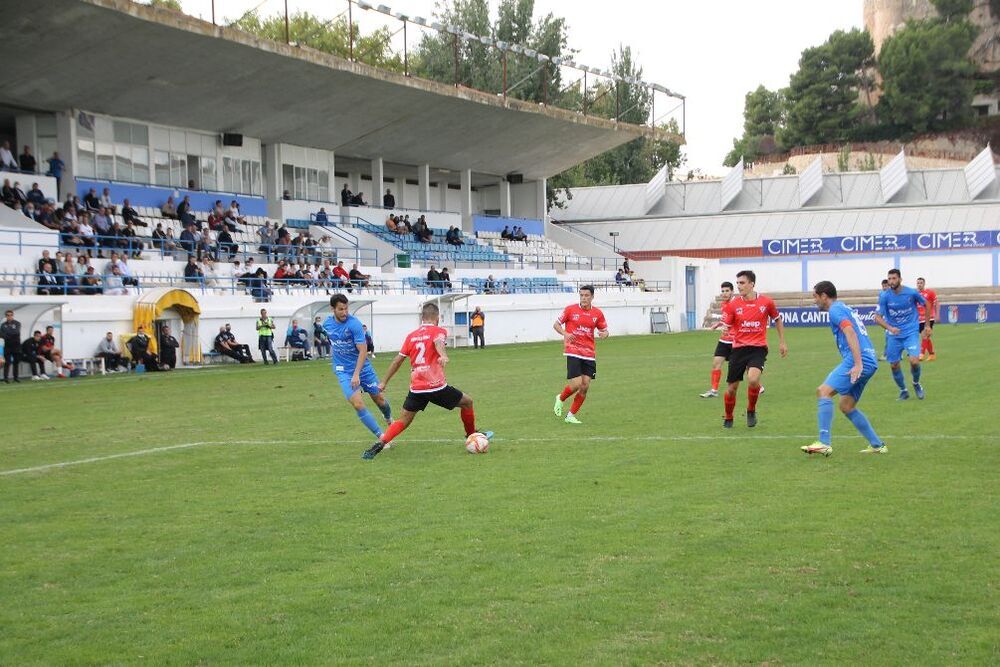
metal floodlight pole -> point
(350, 28)
(287, 36)
(213, 12)
(504, 53)
(584, 92)
(406, 56)
(545, 82)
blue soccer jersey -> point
(344, 340)
(899, 309)
(840, 313)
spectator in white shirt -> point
(7, 159)
(234, 213)
(113, 283)
(107, 203)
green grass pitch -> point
(225, 517)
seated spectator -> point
(286, 195)
(48, 283)
(27, 161)
(454, 236)
(388, 201)
(185, 212)
(321, 340)
(321, 217)
(168, 349)
(158, 235)
(106, 202)
(134, 244)
(169, 209)
(69, 235)
(129, 214)
(189, 242)
(108, 350)
(390, 224)
(67, 276)
(49, 350)
(359, 199)
(445, 278)
(113, 283)
(35, 195)
(490, 286)
(47, 216)
(29, 211)
(405, 226)
(505, 234)
(90, 283)
(433, 278)
(234, 214)
(341, 277)
(259, 289)
(138, 348)
(359, 279)
(20, 196)
(519, 235)
(7, 160)
(91, 200)
(620, 277)
(86, 232)
(297, 338)
(325, 246)
(31, 352)
(56, 166)
(193, 272)
(46, 259)
(225, 343)
(346, 196)
(226, 244)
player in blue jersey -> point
(849, 379)
(351, 365)
(897, 314)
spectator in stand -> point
(326, 246)
(90, 282)
(404, 225)
(226, 244)
(31, 352)
(129, 214)
(359, 199)
(433, 278)
(107, 203)
(626, 268)
(45, 259)
(47, 217)
(259, 289)
(27, 161)
(134, 244)
(188, 241)
(249, 268)
(490, 286)
(91, 200)
(138, 348)
(108, 350)
(209, 243)
(265, 336)
(477, 324)
(48, 283)
(10, 332)
(390, 224)
(620, 277)
(454, 236)
(359, 279)
(445, 278)
(369, 343)
(340, 274)
(35, 195)
(426, 234)
(235, 215)
(159, 236)
(297, 338)
(225, 343)
(86, 233)
(29, 211)
(113, 283)
(168, 349)
(7, 160)
(283, 243)
(184, 213)
(286, 195)
(321, 217)
(169, 209)
(388, 201)
(505, 234)
(216, 221)
(346, 196)
(20, 196)
(56, 166)
(520, 235)
(321, 339)
(268, 234)
(193, 272)
(65, 274)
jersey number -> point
(421, 350)
(858, 322)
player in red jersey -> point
(748, 316)
(724, 348)
(425, 348)
(928, 315)
(577, 325)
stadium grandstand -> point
(153, 203)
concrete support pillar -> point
(504, 198)
(378, 187)
(423, 186)
(26, 135)
(66, 145)
(399, 190)
(466, 203)
(442, 195)
(274, 184)
(541, 211)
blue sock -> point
(368, 420)
(897, 375)
(824, 413)
(386, 411)
(864, 427)
(915, 370)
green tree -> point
(762, 117)
(821, 101)
(166, 4)
(327, 36)
(951, 10)
(928, 81)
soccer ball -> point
(477, 443)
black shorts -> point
(723, 350)
(447, 397)
(744, 358)
(575, 367)
(922, 326)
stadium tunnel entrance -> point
(152, 311)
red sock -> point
(730, 403)
(469, 420)
(930, 345)
(923, 345)
(716, 376)
(566, 393)
(577, 402)
(752, 394)
(395, 428)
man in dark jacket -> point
(31, 352)
(138, 347)
(10, 331)
(168, 348)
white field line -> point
(608, 438)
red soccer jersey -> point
(582, 324)
(931, 297)
(748, 320)
(426, 371)
(727, 333)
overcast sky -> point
(711, 51)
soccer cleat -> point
(488, 434)
(35, 378)
(921, 357)
(918, 389)
(571, 419)
(817, 448)
(373, 451)
(711, 393)
(727, 423)
(903, 395)
(558, 406)
(751, 419)
(761, 392)
(931, 357)
(871, 449)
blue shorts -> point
(369, 382)
(840, 378)
(894, 346)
